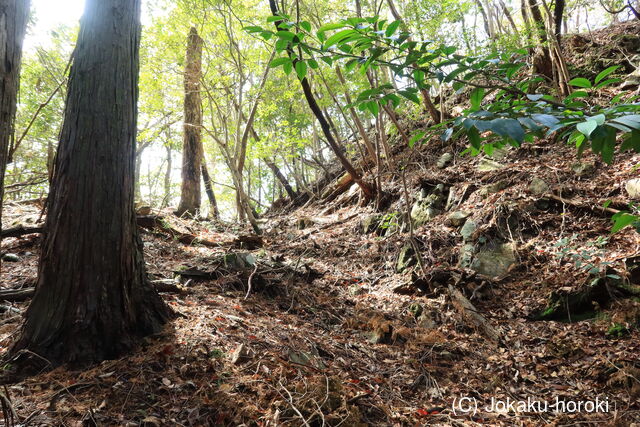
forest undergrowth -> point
(320, 323)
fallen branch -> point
(596, 209)
(471, 314)
(154, 222)
(19, 295)
(19, 231)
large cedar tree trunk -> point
(93, 300)
(192, 139)
(13, 24)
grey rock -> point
(10, 258)
(468, 229)
(444, 160)
(406, 258)
(496, 187)
(239, 261)
(494, 259)
(371, 223)
(428, 207)
(633, 188)
(538, 186)
(304, 222)
(583, 168)
(356, 290)
(467, 251)
(458, 218)
(489, 165)
(426, 321)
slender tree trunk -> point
(209, 189)
(192, 140)
(366, 188)
(167, 176)
(13, 25)
(93, 300)
(278, 174)
(356, 119)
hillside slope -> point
(342, 315)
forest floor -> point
(316, 326)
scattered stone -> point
(583, 168)
(489, 165)
(406, 258)
(633, 188)
(444, 160)
(10, 258)
(494, 259)
(371, 223)
(496, 187)
(458, 218)
(304, 222)
(428, 206)
(239, 260)
(467, 251)
(468, 229)
(538, 187)
(305, 359)
(426, 321)
(241, 354)
(356, 290)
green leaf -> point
(605, 73)
(545, 119)
(474, 138)
(338, 37)
(599, 119)
(415, 138)
(507, 128)
(391, 28)
(287, 67)
(576, 94)
(632, 142)
(301, 69)
(278, 62)
(305, 25)
(312, 63)
(373, 107)
(621, 220)
(632, 121)
(329, 27)
(411, 96)
(607, 82)
(580, 82)
(476, 98)
(587, 128)
(446, 135)
(286, 35)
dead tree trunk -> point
(93, 300)
(209, 189)
(192, 139)
(13, 24)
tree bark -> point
(93, 300)
(192, 139)
(209, 189)
(278, 174)
(13, 25)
